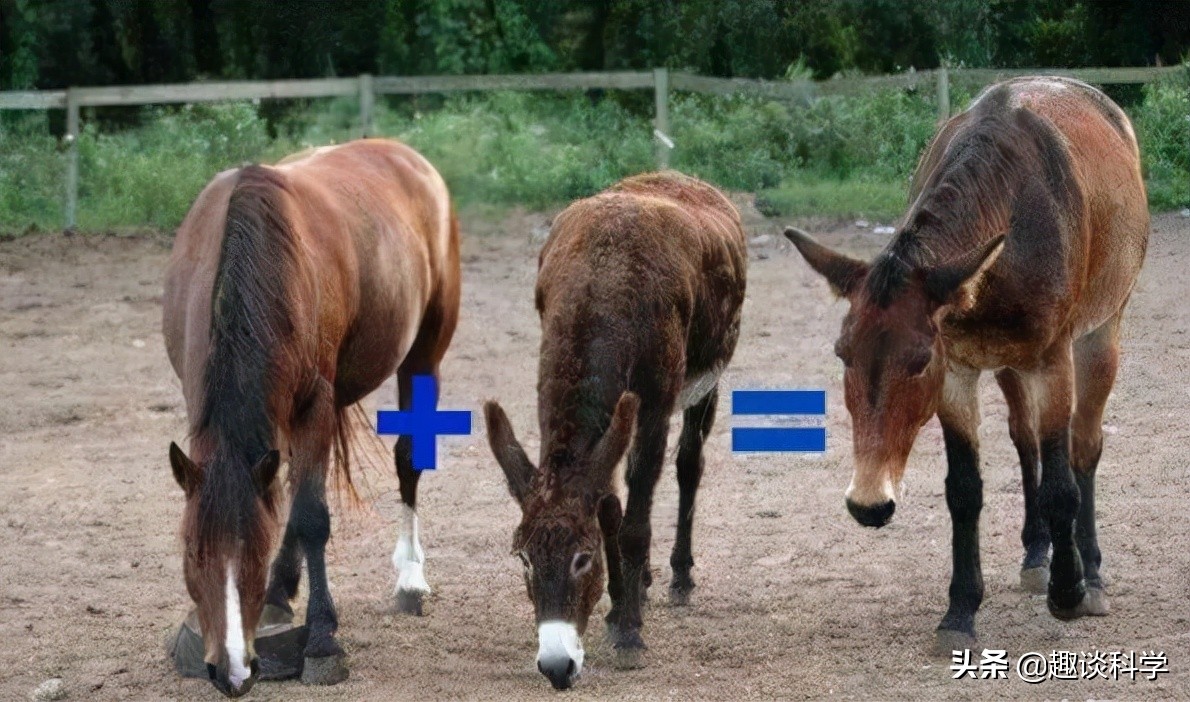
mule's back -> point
(1053, 163)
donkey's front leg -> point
(696, 425)
(644, 467)
(959, 415)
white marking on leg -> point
(237, 650)
(557, 643)
(408, 557)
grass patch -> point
(801, 196)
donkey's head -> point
(565, 511)
(227, 532)
(893, 353)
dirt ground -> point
(794, 599)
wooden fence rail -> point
(661, 81)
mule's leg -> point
(1096, 358)
(1022, 427)
(959, 415)
(644, 467)
(408, 557)
(1058, 495)
(696, 425)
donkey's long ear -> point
(508, 452)
(186, 472)
(955, 282)
(842, 272)
(611, 447)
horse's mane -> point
(250, 322)
(968, 196)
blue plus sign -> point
(423, 422)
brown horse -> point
(293, 291)
(639, 291)
(1027, 229)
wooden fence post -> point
(661, 116)
(367, 99)
(72, 157)
(943, 95)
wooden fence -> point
(661, 81)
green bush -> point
(840, 155)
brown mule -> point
(1027, 231)
(293, 291)
(639, 291)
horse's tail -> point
(350, 447)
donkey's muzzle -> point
(872, 515)
(560, 671)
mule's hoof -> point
(1093, 604)
(326, 670)
(1035, 580)
(410, 602)
(947, 641)
(680, 596)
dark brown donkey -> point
(639, 290)
(294, 291)
(1026, 233)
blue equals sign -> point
(782, 403)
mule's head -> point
(560, 538)
(893, 354)
(227, 531)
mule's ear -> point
(508, 452)
(185, 471)
(265, 470)
(842, 272)
(611, 447)
(955, 282)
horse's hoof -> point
(410, 602)
(680, 596)
(326, 670)
(947, 641)
(1093, 604)
(1035, 580)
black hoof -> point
(325, 670)
(410, 602)
(1067, 603)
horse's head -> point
(560, 537)
(227, 533)
(894, 356)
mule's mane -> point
(968, 196)
(250, 321)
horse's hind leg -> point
(1096, 358)
(696, 425)
(408, 556)
(1022, 427)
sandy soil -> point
(794, 599)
